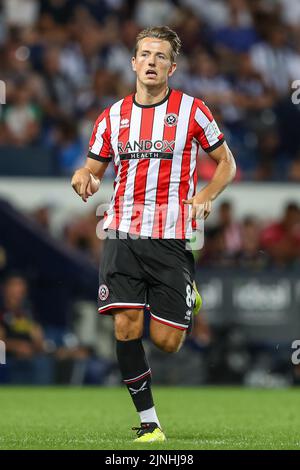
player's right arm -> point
(86, 180)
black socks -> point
(135, 372)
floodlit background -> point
(63, 62)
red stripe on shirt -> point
(140, 180)
(125, 113)
(203, 139)
(93, 137)
(107, 143)
(105, 148)
(165, 168)
(195, 178)
(204, 109)
(184, 184)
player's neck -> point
(146, 97)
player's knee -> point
(127, 328)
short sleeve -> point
(206, 130)
(100, 146)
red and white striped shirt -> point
(154, 148)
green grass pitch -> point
(192, 418)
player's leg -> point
(171, 296)
(171, 309)
(166, 338)
(128, 324)
(122, 294)
(135, 371)
(197, 304)
(197, 299)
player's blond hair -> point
(161, 32)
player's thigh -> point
(166, 337)
(172, 304)
(121, 284)
(128, 323)
(170, 287)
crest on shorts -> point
(171, 119)
(103, 292)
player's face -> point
(153, 64)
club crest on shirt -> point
(171, 119)
(103, 292)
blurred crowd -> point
(63, 61)
(37, 352)
(250, 243)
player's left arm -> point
(225, 172)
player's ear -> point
(133, 64)
(172, 69)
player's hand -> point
(84, 183)
(201, 207)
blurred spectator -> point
(67, 146)
(97, 9)
(22, 13)
(294, 170)
(150, 12)
(201, 335)
(3, 26)
(57, 88)
(3, 260)
(269, 153)
(251, 94)
(207, 82)
(121, 51)
(231, 229)
(281, 240)
(238, 33)
(81, 58)
(291, 12)
(102, 94)
(81, 234)
(42, 216)
(254, 102)
(195, 32)
(276, 60)
(213, 253)
(21, 118)
(215, 12)
(222, 241)
(27, 360)
(250, 254)
(57, 11)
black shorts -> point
(148, 273)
